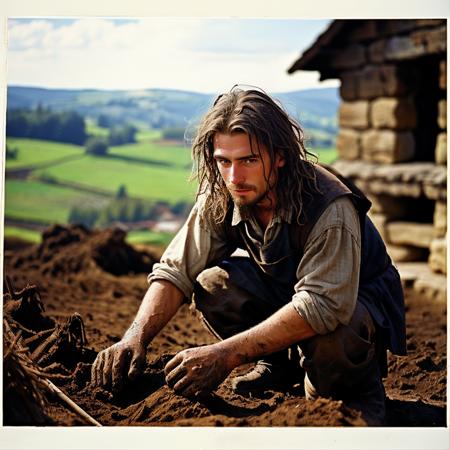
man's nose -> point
(236, 174)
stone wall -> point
(393, 132)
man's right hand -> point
(125, 359)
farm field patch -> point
(42, 202)
(35, 151)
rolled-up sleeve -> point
(328, 273)
(197, 245)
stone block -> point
(376, 51)
(406, 253)
(438, 255)
(443, 74)
(440, 219)
(393, 79)
(348, 88)
(403, 48)
(412, 179)
(370, 85)
(441, 149)
(348, 143)
(380, 221)
(354, 115)
(432, 40)
(349, 57)
(410, 233)
(429, 22)
(428, 284)
(393, 113)
(397, 26)
(367, 30)
(387, 146)
(391, 207)
(442, 114)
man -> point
(317, 282)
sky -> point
(197, 54)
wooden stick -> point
(54, 389)
(60, 394)
(9, 287)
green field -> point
(152, 152)
(93, 129)
(34, 151)
(150, 169)
(45, 203)
(133, 237)
(149, 237)
(325, 155)
(148, 181)
(148, 135)
(22, 233)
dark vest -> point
(379, 288)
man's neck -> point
(264, 216)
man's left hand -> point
(197, 371)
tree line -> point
(42, 123)
(124, 209)
(66, 126)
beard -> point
(242, 200)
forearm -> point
(279, 331)
(158, 306)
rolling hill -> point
(161, 108)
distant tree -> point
(122, 192)
(43, 123)
(83, 215)
(72, 128)
(122, 135)
(104, 121)
(11, 153)
(181, 208)
(96, 145)
(176, 134)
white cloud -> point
(186, 53)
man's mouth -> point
(241, 189)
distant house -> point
(393, 131)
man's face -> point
(245, 174)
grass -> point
(178, 156)
(134, 237)
(146, 134)
(160, 238)
(93, 129)
(325, 155)
(153, 182)
(22, 233)
(45, 203)
(35, 151)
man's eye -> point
(250, 160)
(223, 162)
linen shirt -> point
(327, 277)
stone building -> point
(392, 137)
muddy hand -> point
(197, 371)
(112, 365)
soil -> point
(101, 278)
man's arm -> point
(126, 357)
(199, 370)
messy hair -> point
(265, 122)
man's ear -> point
(279, 160)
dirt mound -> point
(106, 304)
(72, 249)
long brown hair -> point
(255, 113)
